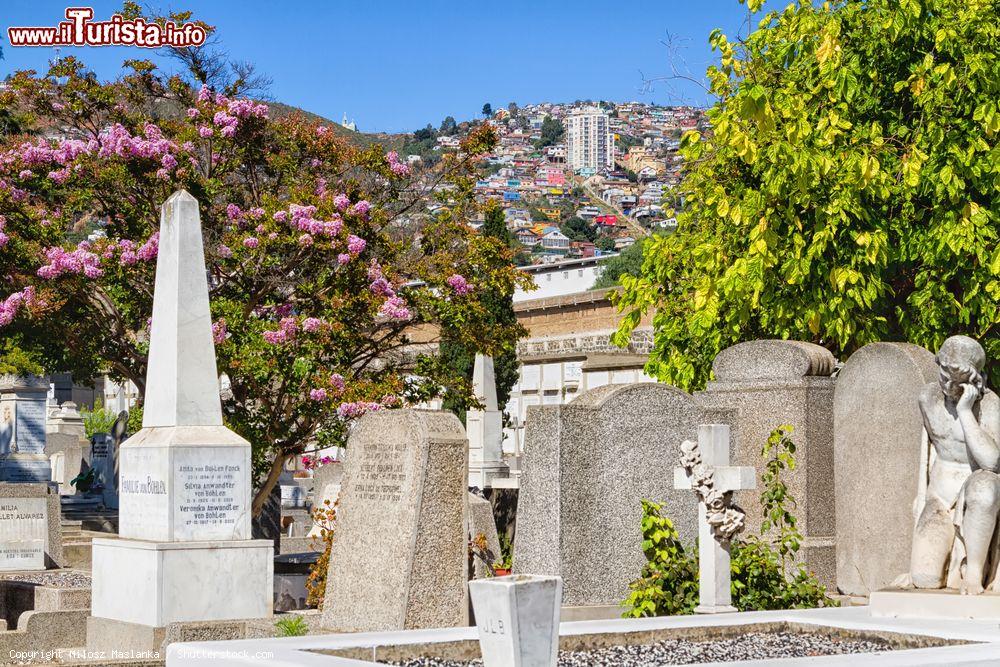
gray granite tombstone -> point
(30, 536)
(770, 383)
(23, 409)
(399, 560)
(588, 465)
(877, 457)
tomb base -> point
(483, 475)
(156, 583)
(942, 604)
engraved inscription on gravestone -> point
(207, 494)
(23, 533)
(30, 429)
(382, 474)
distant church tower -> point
(352, 126)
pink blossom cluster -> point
(247, 109)
(310, 463)
(356, 245)
(251, 242)
(341, 201)
(77, 261)
(459, 284)
(397, 167)
(311, 324)
(285, 332)
(302, 219)
(337, 382)
(318, 394)
(10, 306)
(226, 123)
(219, 331)
(3, 237)
(362, 208)
(352, 410)
(116, 140)
(43, 153)
(395, 308)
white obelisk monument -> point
(485, 428)
(185, 552)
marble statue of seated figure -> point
(954, 532)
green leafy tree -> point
(848, 190)
(578, 229)
(487, 110)
(627, 263)
(552, 132)
(449, 126)
(605, 244)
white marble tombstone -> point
(23, 410)
(485, 428)
(185, 552)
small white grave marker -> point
(705, 469)
(518, 619)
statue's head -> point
(961, 360)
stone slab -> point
(30, 535)
(481, 521)
(400, 555)
(157, 583)
(931, 604)
(878, 447)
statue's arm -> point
(982, 436)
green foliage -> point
(15, 360)
(668, 584)
(487, 110)
(627, 263)
(134, 420)
(292, 626)
(578, 229)
(98, 420)
(848, 191)
(506, 559)
(84, 482)
(605, 244)
(552, 132)
(764, 573)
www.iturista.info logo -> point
(80, 30)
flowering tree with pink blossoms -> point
(330, 274)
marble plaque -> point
(530, 376)
(24, 531)
(29, 431)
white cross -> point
(714, 577)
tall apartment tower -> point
(589, 142)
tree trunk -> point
(265, 489)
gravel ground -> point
(55, 578)
(751, 646)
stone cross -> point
(713, 473)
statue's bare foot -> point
(903, 581)
(972, 587)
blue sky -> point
(396, 65)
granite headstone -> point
(771, 383)
(399, 560)
(878, 449)
(588, 465)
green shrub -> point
(99, 420)
(764, 572)
(292, 626)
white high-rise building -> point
(589, 142)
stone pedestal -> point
(66, 442)
(23, 409)
(157, 583)
(518, 620)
